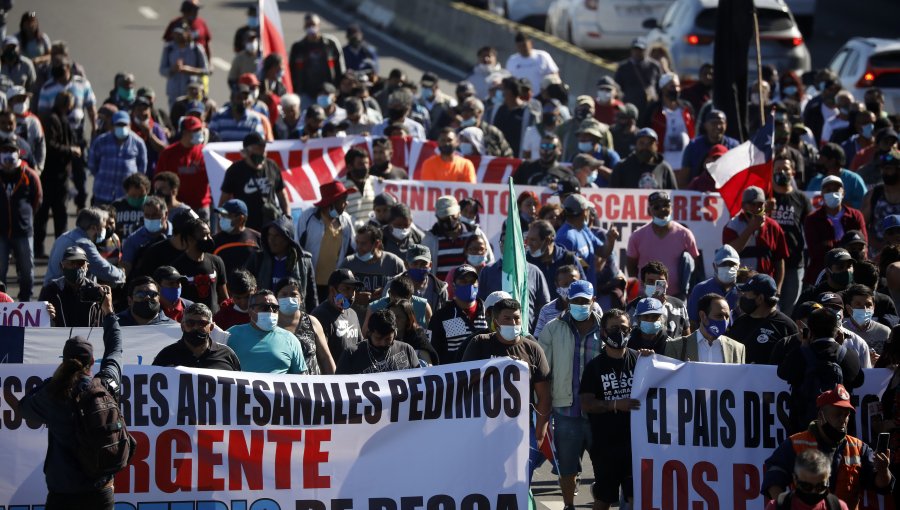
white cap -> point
(493, 297)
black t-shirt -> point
(157, 254)
(258, 189)
(488, 346)
(203, 277)
(536, 174)
(759, 335)
(509, 121)
(216, 357)
(236, 249)
(128, 218)
(608, 378)
(791, 210)
(341, 328)
(362, 358)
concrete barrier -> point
(453, 32)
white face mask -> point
(833, 200)
(21, 108)
(400, 233)
(727, 274)
(252, 46)
(604, 96)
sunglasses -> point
(808, 487)
(196, 322)
(548, 146)
(266, 307)
(145, 294)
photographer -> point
(51, 403)
(90, 229)
(74, 298)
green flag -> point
(515, 270)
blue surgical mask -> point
(427, 94)
(266, 321)
(579, 312)
(153, 226)
(662, 222)
(716, 327)
(342, 301)
(650, 328)
(498, 96)
(467, 122)
(790, 90)
(288, 305)
(253, 21)
(333, 213)
(476, 260)
(593, 176)
(867, 130)
(121, 132)
(225, 224)
(323, 101)
(417, 273)
(833, 200)
(197, 138)
(727, 274)
(510, 333)
(171, 294)
(862, 316)
(365, 257)
(467, 293)
(536, 253)
(585, 147)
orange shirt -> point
(458, 170)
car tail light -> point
(591, 5)
(873, 73)
(698, 40)
(790, 42)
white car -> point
(865, 62)
(532, 12)
(602, 24)
(688, 30)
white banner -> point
(140, 344)
(448, 437)
(32, 314)
(704, 431)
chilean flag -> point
(748, 164)
(271, 36)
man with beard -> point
(143, 304)
(382, 152)
(195, 348)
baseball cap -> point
(121, 118)
(802, 310)
(233, 206)
(74, 253)
(418, 252)
(838, 397)
(446, 206)
(591, 127)
(581, 288)
(10, 40)
(659, 196)
(167, 274)
(832, 178)
(649, 306)
(191, 123)
(79, 348)
(727, 253)
(384, 199)
(254, 139)
(717, 151)
(639, 43)
(646, 132)
(428, 79)
(583, 160)
(760, 284)
(248, 79)
(606, 82)
(886, 133)
(667, 79)
(852, 237)
(464, 270)
(588, 100)
(17, 90)
(495, 296)
(889, 222)
(576, 203)
(567, 186)
(343, 276)
(629, 111)
(837, 255)
(831, 300)
(753, 195)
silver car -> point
(687, 33)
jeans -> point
(22, 248)
(685, 270)
(790, 289)
(99, 500)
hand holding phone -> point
(884, 440)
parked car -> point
(688, 29)
(804, 12)
(602, 24)
(529, 12)
(865, 62)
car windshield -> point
(885, 59)
(770, 20)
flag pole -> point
(762, 114)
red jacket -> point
(227, 316)
(819, 234)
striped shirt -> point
(231, 130)
(78, 86)
(451, 253)
(111, 163)
(360, 203)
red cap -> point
(248, 79)
(332, 192)
(716, 151)
(838, 397)
(189, 123)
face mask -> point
(644, 155)
(101, 236)
(76, 275)
(498, 96)
(466, 293)
(323, 101)
(252, 21)
(21, 107)
(781, 179)
(754, 98)
(585, 147)
(593, 176)
(672, 95)
(650, 328)
(748, 305)
(395, 114)
(266, 321)
(476, 260)
(536, 253)
(197, 138)
(579, 312)
(342, 301)
(604, 96)
(252, 47)
(417, 274)
(835, 435)
(121, 132)
(257, 159)
(225, 224)
(171, 294)
(833, 200)
(146, 309)
(312, 31)
(582, 113)
(206, 245)
(510, 333)
(727, 274)
(862, 316)
(136, 202)
(466, 149)
(867, 130)
(716, 328)
(195, 338)
(842, 279)
(365, 257)
(873, 107)
(450, 225)
(616, 338)
(890, 179)
(333, 213)
(445, 150)
(427, 94)
(9, 159)
(58, 73)
(790, 90)
(467, 122)
(288, 305)
(127, 95)
(811, 498)
(400, 233)
(662, 222)
(153, 226)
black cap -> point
(188, 6)
(852, 236)
(9, 143)
(464, 270)
(831, 300)
(74, 253)
(837, 255)
(343, 276)
(254, 139)
(384, 199)
(568, 186)
(428, 79)
(802, 310)
(659, 196)
(80, 349)
(167, 274)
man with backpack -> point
(817, 366)
(83, 452)
(855, 466)
(812, 469)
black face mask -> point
(874, 107)
(396, 114)
(890, 179)
(359, 173)
(616, 338)
(645, 155)
(781, 179)
(206, 245)
(10, 55)
(58, 73)
(842, 279)
(671, 94)
(445, 150)
(833, 434)
(380, 168)
(448, 224)
(195, 338)
(810, 498)
(147, 309)
(748, 305)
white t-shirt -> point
(531, 143)
(533, 67)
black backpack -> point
(103, 444)
(821, 376)
(783, 502)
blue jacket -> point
(491, 280)
(98, 266)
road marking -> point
(148, 12)
(221, 64)
(550, 505)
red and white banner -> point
(271, 37)
(441, 437)
(704, 431)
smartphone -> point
(884, 440)
(660, 287)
